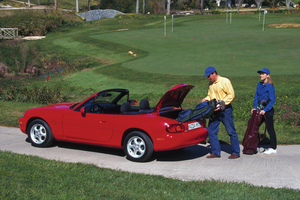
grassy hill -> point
(132, 52)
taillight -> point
(203, 123)
(175, 128)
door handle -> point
(103, 122)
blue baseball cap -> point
(264, 70)
(209, 71)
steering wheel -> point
(96, 108)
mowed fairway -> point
(132, 52)
(236, 49)
(160, 63)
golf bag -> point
(203, 110)
(252, 136)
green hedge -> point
(42, 95)
(286, 110)
(255, 12)
(37, 23)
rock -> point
(98, 14)
(3, 69)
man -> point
(220, 88)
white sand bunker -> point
(285, 25)
(33, 37)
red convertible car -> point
(110, 118)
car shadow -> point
(188, 153)
(90, 148)
(85, 147)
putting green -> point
(237, 49)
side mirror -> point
(132, 102)
(82, 111)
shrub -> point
(286, 110)
(38, 23)
(20, 56)
(216, 12)
(42, 95)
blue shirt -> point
(265, 92)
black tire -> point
(138, 146)
(40, 134)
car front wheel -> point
(138, 146)
(40, 134)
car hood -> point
(60, 105)
(174, 97)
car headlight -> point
(23, 115)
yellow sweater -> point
(221, 90)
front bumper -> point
(22, 123)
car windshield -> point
(106, 99)
(111, 97)
(73, 106)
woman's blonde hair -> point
(270, 80)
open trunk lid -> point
(174, 97)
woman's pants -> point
(270, 127)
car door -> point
(94, 127)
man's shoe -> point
(213, 156)
(270, 151)
(233, 156)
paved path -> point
(277, 171)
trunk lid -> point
(174, 97)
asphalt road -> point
(279, 170)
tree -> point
(89, 5)
(161, 6)
(288, 2)
(259, 3)
(144, 4)
(168, 7)
(24, 52)
(137, 7)
(201, 7)
(77, 10)
(28, 3)
(240, 2)
(274, 3)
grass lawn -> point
(29, 177)
(198, 42)
(160, 63)
(181, 57)
(158, 57)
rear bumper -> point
(173, 141)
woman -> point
(265, 91)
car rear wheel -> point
(138, 146)
(40, 134)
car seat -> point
(144, 104)
(125, 107)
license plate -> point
(194, 125)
